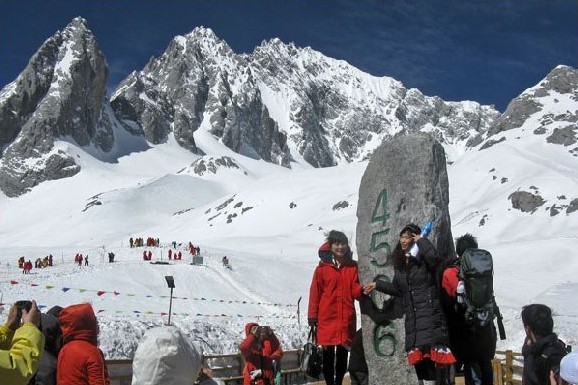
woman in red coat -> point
(334, 288)
(262, 353)
(80, 361)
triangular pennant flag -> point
(65, 289)
(49, 287)
(131, 295)
(136, 311)
(33, 284)
(163, 313)
(81, 290)
(14, 282)
(116, 293)
(100, 311)
(100, 292)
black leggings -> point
(334, 364)
(425, 370)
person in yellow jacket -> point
(20, 345)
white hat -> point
(569, 368)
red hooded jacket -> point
(260, 356)
(332, 299)
(80, 361)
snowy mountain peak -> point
(78, 23)
(61, 94)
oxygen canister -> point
(460, 292)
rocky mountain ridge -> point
(281, 103)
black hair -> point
(335, 236)
(398, 255)
(539, 318)
(411, 228)
(466, 241)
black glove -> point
(312, 322)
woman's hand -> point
(13, 321)
(368, 288)
(32, 316)
(415, 237)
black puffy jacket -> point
(414, 281)
(540, 358)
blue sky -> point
(487, 50)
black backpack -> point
(477, 289)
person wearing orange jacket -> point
(334, 289)
(80, 361)
(262, 353)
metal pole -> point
(170, 306)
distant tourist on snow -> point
(334, 289)
(226, 262)
(86, 261)
(262, 353)
(80, 360)
(21, 345)
(27, 267)
(165, 356)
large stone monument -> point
(405, 182)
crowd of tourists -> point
(444, 332)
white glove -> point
(255, 374)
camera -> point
(27, 305)
(263, 330)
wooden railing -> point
(228, 368)
(508, 367)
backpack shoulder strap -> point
(499, 317)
